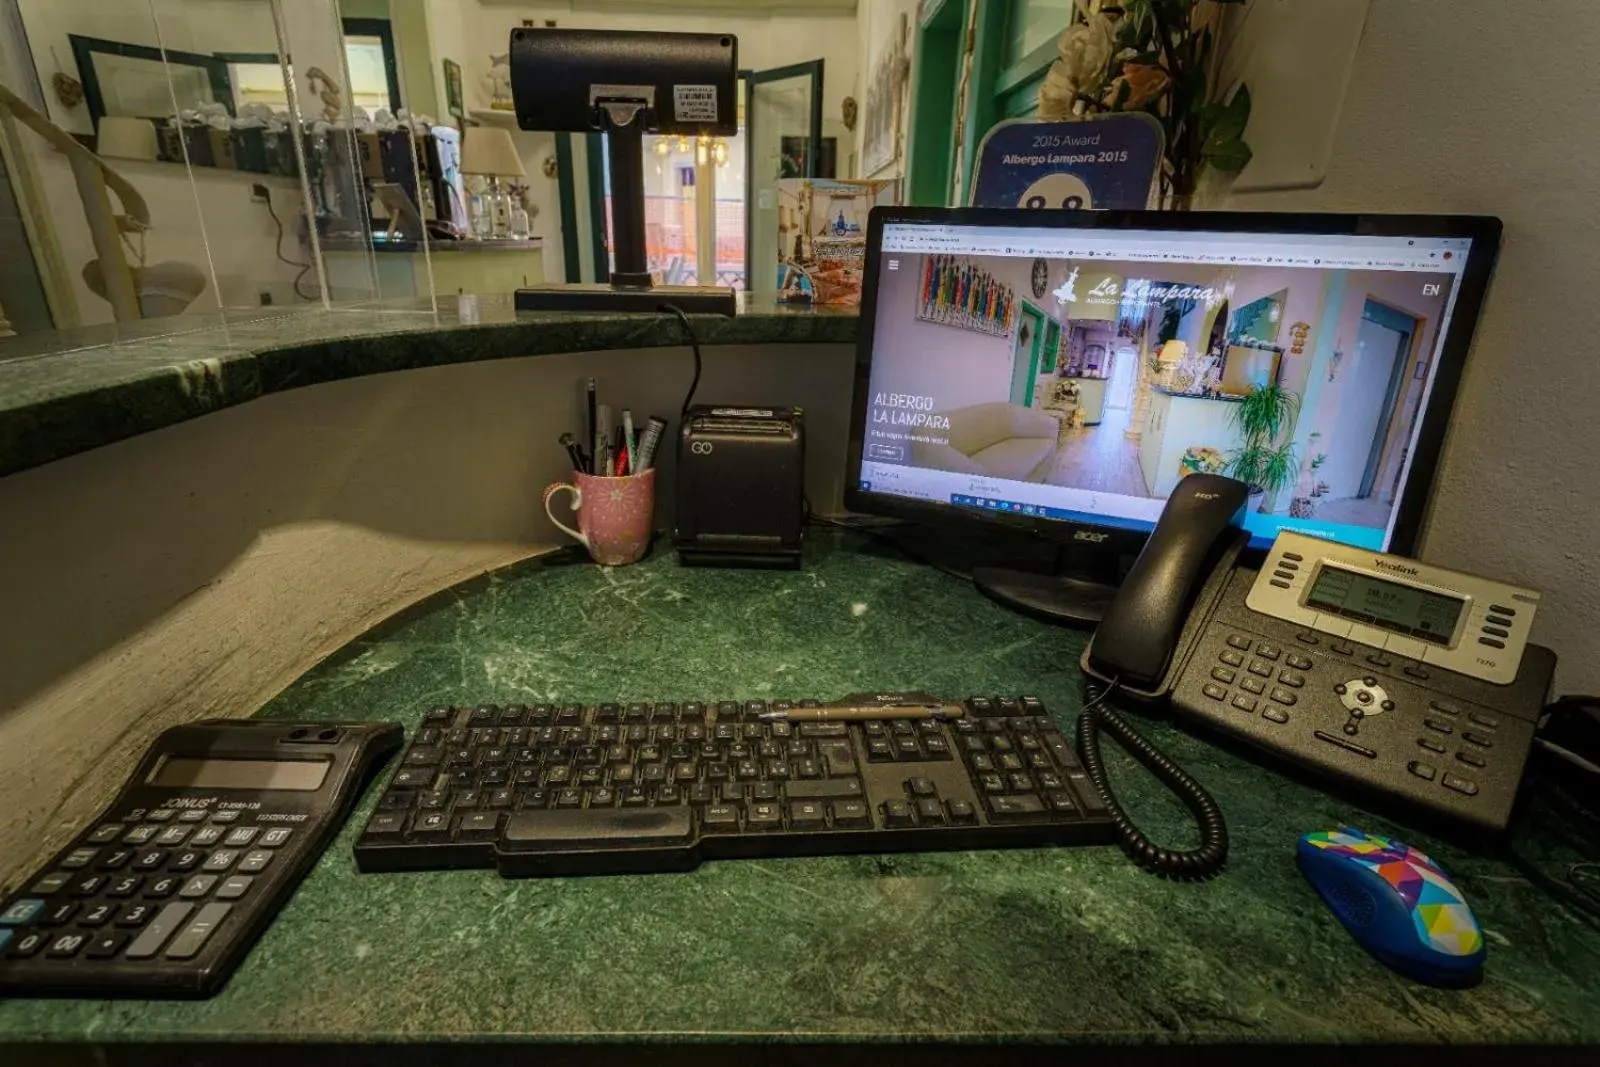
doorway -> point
(783, 139)
(1025, 354)
(1383, 341)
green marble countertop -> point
(73, 390)
(1040, 945)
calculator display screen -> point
(181, 771)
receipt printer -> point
(741, 487)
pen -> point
(649, 443)
(628, 440)
(864, 712)
(593, 429)
(570, 443)
(604, 453)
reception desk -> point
(1091, 398)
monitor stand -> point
(1070, 585)
(631, 288)
(1055, 598)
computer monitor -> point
(1059, 371)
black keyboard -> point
(575, 789)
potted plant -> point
(1265, 414)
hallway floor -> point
(1356, 511)
(1100, 459)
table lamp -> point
(124, 137)
(489, 152)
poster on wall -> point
(880, 140)
(822, 238)
(1106, 163)
(957, 292)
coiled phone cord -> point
(1189, 864)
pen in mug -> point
(648, 443)
(570, 443)
(628, 441)
(593, 428)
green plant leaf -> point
(1230, 158)
(1234, 117)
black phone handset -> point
(1141, 642)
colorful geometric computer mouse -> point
(1396, 903)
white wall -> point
(1436, 121)
(877, 21)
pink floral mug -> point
(614, 514)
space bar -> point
(539, 831)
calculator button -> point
(79, 858)
(258, 859)
(105, 833)
(221, 859)
(150, 861)
(135, 914)
(193, 815)
(231, 815)
(50, 883)
(98, 915)
(27, 945)
(198, 886)
(234, 887)
(87, 886)
(206, 836)
(185, 861)
(21, 911)
(161, 815)
(173, 836)
(275, 837)
(124, 886)
(66, 946)
(115, 859)
(60, 914)
(140, 834)
(161, 927)
(162, 888)
(107, 945)
(241, 836)
(188, 943)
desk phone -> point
(1411, 682)
(164, 893)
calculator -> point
(165, 892)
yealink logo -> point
(1397, 568)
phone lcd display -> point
(1402, 609)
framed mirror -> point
(132, 80)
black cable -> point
(1191, 864)
(694, 344)
(277, 250)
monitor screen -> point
(1078, 374)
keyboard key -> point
(385, 824)
(124, 886)
(163, 926)
(234, 887)
(806, 815)
(897, 813)
(763, 817)
(66, 946)
(720, 818)
(197, 886)
(851, 815)
(206, 836)
(187, 944)
(107, 945)
(1024, 807)
(825, 789)
(930, 811)
(961, 811)
(135, 915)
(162, 888)
(923, 787)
